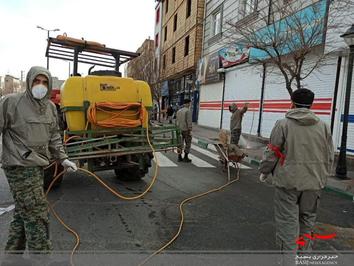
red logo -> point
(301, 240)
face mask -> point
(39, 91)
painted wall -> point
(243, 84)
(210, 105)
(277, 100)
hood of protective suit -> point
(303, 116)
(32, 74)
(233, 107)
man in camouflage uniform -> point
(28, 123)
(184, 123)
(236, 122)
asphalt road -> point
(238, 218)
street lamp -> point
(341, 170)
(41, 28)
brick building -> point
(181, 45)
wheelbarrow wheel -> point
(49, 176)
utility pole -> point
(341, 169)
(41, 28)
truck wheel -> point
(49, 176)
(130, 174)
(135, 173)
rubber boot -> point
(186, 159)
(180, 159)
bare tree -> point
(144, 67)
(284, 34)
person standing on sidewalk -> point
(184, 123)
(236, 122)
(169, 113)
(29, 124)
(299, 158)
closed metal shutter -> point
(243, 84)
(277, 100)
(210, 105)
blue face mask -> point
(39, 91)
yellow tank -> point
(97, 89)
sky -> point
(119, 24)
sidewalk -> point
(254, 146)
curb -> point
(343, 194)
(254, 162)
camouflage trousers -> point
(235, 136)
(186, 137)
(30, 221)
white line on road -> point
(213, 155)
(7, 209)
(205, 152)
(163, 161)
(199, 162)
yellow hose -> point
(113, 191)
(182, 217)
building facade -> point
(181, 45)
(141, 67)
(230, 72)
(11, 85)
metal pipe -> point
(335, 96)
(341, 169)
(47, 56)
(222, 99)
(261, 102)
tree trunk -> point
(298, 82)
(159, 111)
(288, 88)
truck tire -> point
(49, 176)
(135, 173)
(130, 174)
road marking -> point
(205, 152)
(199, 162)
(213, 155)
(163, 161)
(7, 209)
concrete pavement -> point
(206, 137)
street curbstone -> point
(340, 192)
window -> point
(165, 35)
(158, 15)
(189, 8)
(166, 6)
(249, 6)
(216, 22)
(173, 55)
(186, 46)
(156, 40)
(175, 23)
(164, 62)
